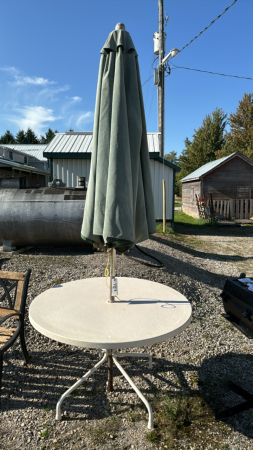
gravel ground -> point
(197, 362)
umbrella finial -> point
(120, 26)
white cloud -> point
(11, 70)
(84, 117)
(35, 117)
(76, 99)
(37, 81)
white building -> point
(70, 157)
(18, 162)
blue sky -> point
(49, 59)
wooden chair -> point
(13, 293)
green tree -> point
(172, 157)
(208, 140)
(7, 138)
(20, 137)
(50, 134)
(31, 137)
(240, 136)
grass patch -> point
(183, 219)
(185, 417)
(106, 430)
(45, 433)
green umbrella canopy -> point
(119, 208)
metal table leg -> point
(138, 392)
(72, 388)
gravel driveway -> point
(190, 372)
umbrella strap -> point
(157, 266)
(107, 272)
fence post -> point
(251, 208)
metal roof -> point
(31, 150)
(23, 167)
(208, 167)
(81, 142)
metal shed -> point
(70, 157)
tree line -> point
(211, 141)
(27, 137)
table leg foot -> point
(75, 386)
(138, 392)
(137, 355)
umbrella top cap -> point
(120, 26)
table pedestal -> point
(110, 356)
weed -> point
(47, 408)
(152, 436)
(183, 416)
(45, 433)
(57, 281)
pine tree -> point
(7, 138)
(209, 139)
(31, 137)
(240, 136)
(20, 137)
(172, 157)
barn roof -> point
(77, 144)
(208, 167)
(32, 150)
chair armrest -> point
(8, 316)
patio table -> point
(78, 313)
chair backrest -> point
(14, 288)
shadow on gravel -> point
(75, 250)
(199, 254)
(42, 383)
(50, 374)
(214, 376)
(218, 230)
(177, 267)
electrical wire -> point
(212, 73)
(225, 10)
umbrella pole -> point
(110, 371)
(112, 274)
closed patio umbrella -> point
(119, 208)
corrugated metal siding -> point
(158, 173)
(71, 143)
(82, 143)
(70, 169)
(35, 150)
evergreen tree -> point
(7, 138)
(50, 134)
(172, 157)
(208, 140)
(240, 136)
(31, 137)
(20, 137)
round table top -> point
(78, 313)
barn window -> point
(243, 191)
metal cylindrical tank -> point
(44, 216)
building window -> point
(25, 159)
(11, 156)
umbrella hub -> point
(120, 26)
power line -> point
(225, 10)
(212, 73)
(147, 80)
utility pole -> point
(161, 80)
